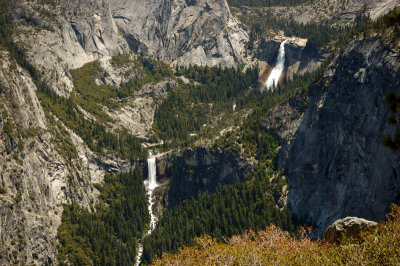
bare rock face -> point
(349, 227)
(36, 177)
(283, 122)
(337, 165)
(65, 35)
(199, 32)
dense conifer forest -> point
(189, 106)
(108, 233)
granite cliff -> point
(201, 32)
(36, 174)
(64, 35)
(337, 165)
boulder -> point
(349, 226)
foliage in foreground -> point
(275, 247)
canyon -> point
(330, 135)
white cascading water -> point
(273, 78)
(150, 184)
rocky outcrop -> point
(337, 166)
(136, 116)
(64, 35)
(199, 32)
(348, 227)
(203, 170)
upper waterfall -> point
(273, 78)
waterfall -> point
(273, 78)
(150, 184)
(139, 254)
(151, 164)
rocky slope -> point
(199, 32)
(337, 166)
(36, 174)
(64, 35)
(283, 122)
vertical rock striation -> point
(337, 166)
(65, 35)
(199, 32)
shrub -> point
(274, 246)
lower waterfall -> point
(150, 184)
